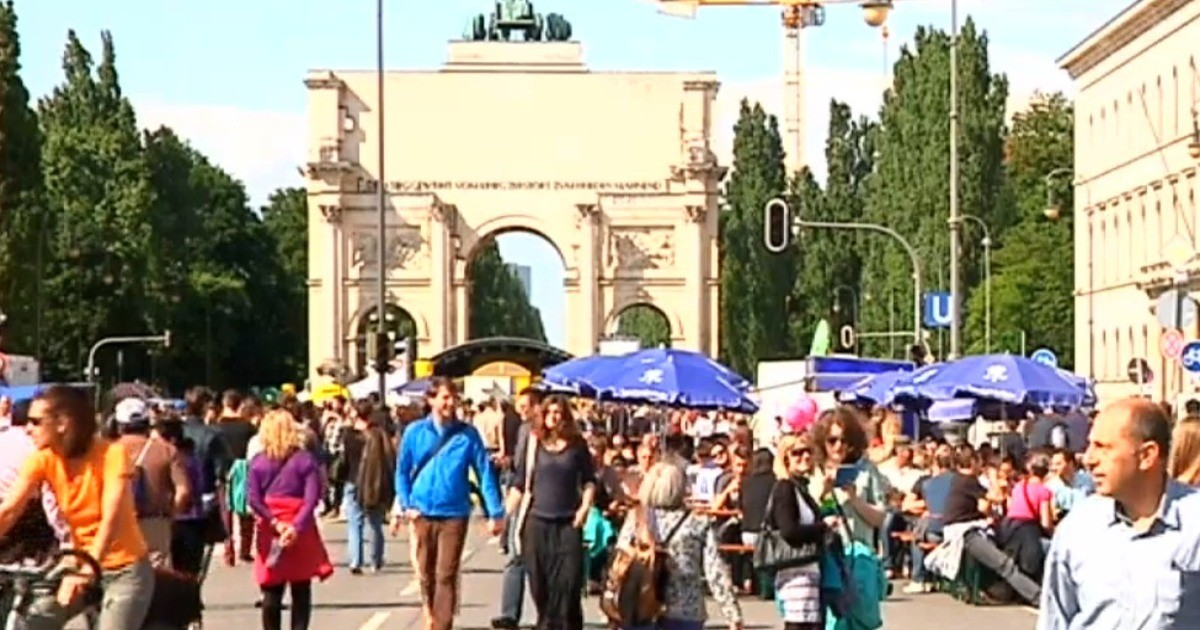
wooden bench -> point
(764, 580)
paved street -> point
(390, 599)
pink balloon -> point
(801, 415)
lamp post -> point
(1052, 210)
(955, 220)
(381, 201)
(987, 279)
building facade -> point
(1137, 150)
(614, 169)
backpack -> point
(634, 591)
(141, 486)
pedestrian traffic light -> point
(777, 225)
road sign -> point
(1045, 356)
(1171, 343)
(1175, 309)
(1139, 371)
(1190, 358)
(937, 309)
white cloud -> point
(261, 148)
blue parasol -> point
(1002, 377)
(675, 378)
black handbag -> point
(772, 552)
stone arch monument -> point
(614, 169)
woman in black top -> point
(551, 493)
(797, 517)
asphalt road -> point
(390, 599)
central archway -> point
(516, 287)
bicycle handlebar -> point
(53, 569)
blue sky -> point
(227, 74)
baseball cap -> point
(131, 410)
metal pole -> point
(912, 255)
(381, 200)
(164, 339)
(987, 296)
(955, 220)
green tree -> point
(829, 286)
(754, 283)
(286, 219)
(21, 216)
(97, 189)
(1033, 272)
(910, 190)
(499, 305)
(646, 324)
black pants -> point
(988, 554)
(272, 605)
(553, 552)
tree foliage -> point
(910, 189)
(499, 305)
(20, 189)
(754, 283)
(646, 324)
(1032, 271)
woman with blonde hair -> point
(692, 550)
(796, 515)
(284, 485)
(1184, 465)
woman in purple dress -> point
(284, 485)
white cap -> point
(131, 410)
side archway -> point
(645, 321)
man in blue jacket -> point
(433, 491)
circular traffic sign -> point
(1045, 356)
(1171, 343)
(1190, 357)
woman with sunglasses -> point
(91, 478)
(846, 480)
(795, 514)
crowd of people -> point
(567, 487)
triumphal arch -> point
(614, 169)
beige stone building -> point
(614, 169)
(1137, 150)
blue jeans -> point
(356, 519)
(512, 589)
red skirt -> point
(305, 559)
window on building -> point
(1118, 237)
(1116, 349)
(1158, 124)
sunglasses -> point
(36, 421)
(834, 440)
(800, 452)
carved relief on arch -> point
(405, 249)
(640, 248)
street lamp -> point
(987, 279)
(955, 221)
(381, 200)
(876, 12)
(1052, 211)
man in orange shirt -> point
(89, 477)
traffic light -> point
(382, 353)
(777, 225)
(406, 356)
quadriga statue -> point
(558, 28)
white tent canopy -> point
(370, 384)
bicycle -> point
(22, 584)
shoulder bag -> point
(531, 447)
(772, 552)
